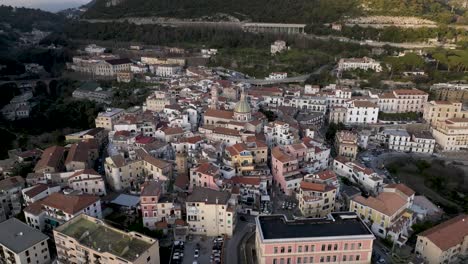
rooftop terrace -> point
(339, 224)
(100, 237)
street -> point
(235, 247)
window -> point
(299, 249)
(323, 247)
(344, 258)
(306, 248)
(328, 258)
(148, 259)
(335, 247)
(322, 259)
(275, 261)
(359, 245)
(299, 260)
(311, 259)
(346, 246)
(275, 250)
(358, 257)
(282, 250)
(329, 248)
(289, 249)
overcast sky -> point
(49, 5)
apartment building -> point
(205, 175)
(346, 144)
(361, 112)
(452, 134)
(82, 155)
(402, 101)
(58, 208)
(85, 239)
(166, 70)
(444, 243)
(388, 213)
(20, 243)
(52, 160)
(163, 61)
(435, 111)
(337, 114)
(112, 67)
(285, 170)
(278, 46)
(456, 92)
(364, 63)
(157, 101)
(37, 192)
(279, 133)
(156, 207)
(357, 173)
(316, 199)
(87, 181)
(396, 139)
(129, 173)
(422, 142)
(210, 212)
(108, 118)
(10, 196)
(339, 238)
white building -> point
(279, 133)
(210, 212)
(359, 174)
(359, 63)
(400, 140)
(278, 47)
(87, 181)
(94, 49)
(402, 101)
(361, 112)
(277, 76)
(166, 70)
(19, 243)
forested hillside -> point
(286, 11)
(290, 11)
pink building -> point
(285, 169)
(340, 238)
(205, 175)
(155, 207)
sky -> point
(48, 5)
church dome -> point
(242, 106)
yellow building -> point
(444, 243)
(388, 213)
(108, 118)
(346, 144)
(435, 111)
(239, 157)
(316, 199)
(452, 134)
(85, 239)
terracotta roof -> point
(208, 196)
(78, 152)
(402, 188)
(342, 159)
(151, 188)
(387, 96)
(11, 182)
(448, 234)
(51, 157)
(191, 140)
(37, 189)
(387, 203)
(207, 168)
(180, 222)
(85, 171)
(409, 92)
(182, 181)
(70, 204)
(156, 162)
(254, 181)
(311, 186)
(34, 208)
(326, 174)
(118, 160)
(226, 131)
(280, 155)
(219, 114)
(364, 103)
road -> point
(300, 78)
(234, 253)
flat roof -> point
(336, 225)
(100, 237)
(18, 236)
(109, 112)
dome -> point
(242, 106)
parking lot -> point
(198, 249)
